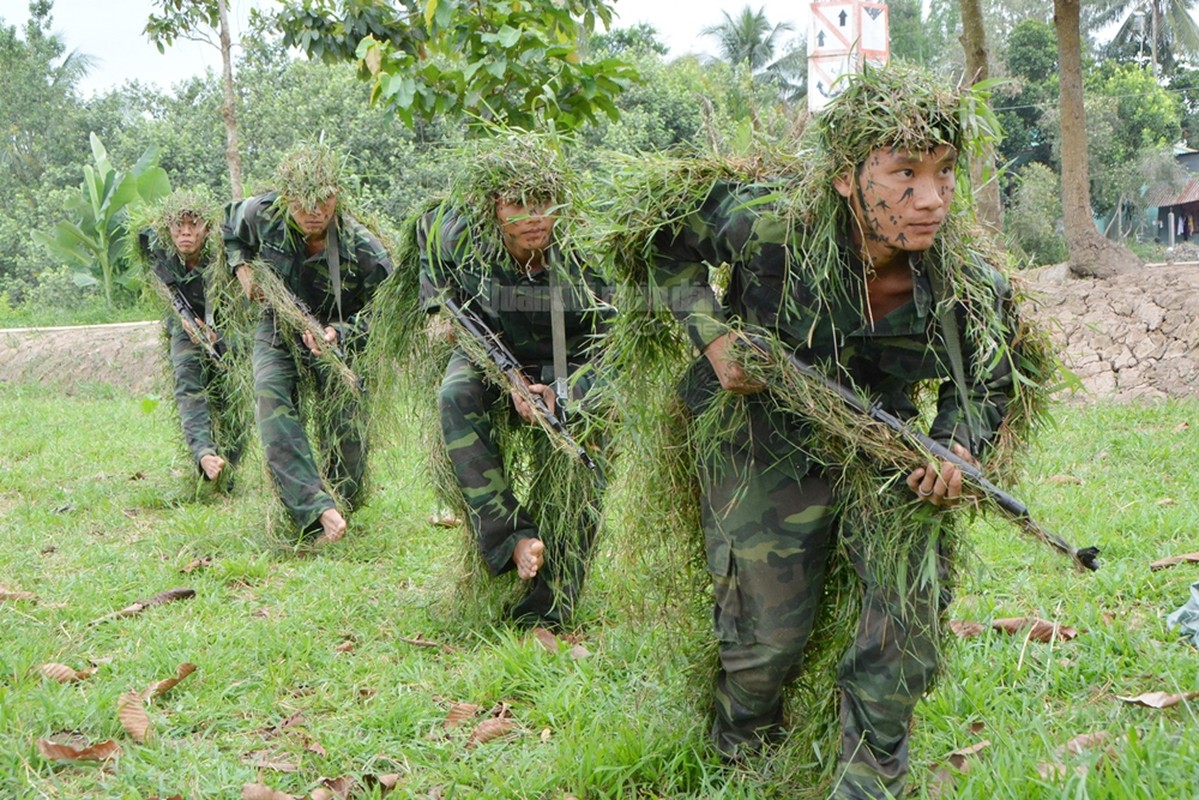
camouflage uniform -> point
(517, 308)
(770, 514)
(256, 229)
(199, 393)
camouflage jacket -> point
(887, 360)
(514, 305)
(164, 261)
(256, 229)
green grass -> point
(99, 508)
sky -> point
(110, 31)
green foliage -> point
(94, 241)
(181, 19)
(1033, 221)
(519, 63)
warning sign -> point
(842, 35)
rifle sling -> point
(333, 256)
(558, 331)
(951, 335)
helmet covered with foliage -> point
(308, 175)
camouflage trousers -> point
(200, 396)
(771, 525)
(499, 520)
(294, 469)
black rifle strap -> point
(951, 334)
(333, 257)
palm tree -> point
(1171, 33)
(748, 38)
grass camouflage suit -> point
(774, 512)
(200, 394)
(515, 306)
(258, 230)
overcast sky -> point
(111, 32)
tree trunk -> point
(982, 170)
(1091, 255)
(228, 109)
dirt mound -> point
(1131, 337)
(130, 356)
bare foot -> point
(529, 556)
(334, 525)
(212, 466)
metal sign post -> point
(842, 36)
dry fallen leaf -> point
(490, 729)
(345, 647)
(965, 630)
(164, 686)
(546, 733)
(977, 727)
(579, 651)
(1167, 501)
(258, 791)
(101, 751)
(1182, 426)
(1158, 699)
(548, 640)
(385, 782)
(1172, 561)
(169, 596)
(131, 711)
(959, 759)
(1039, 630)
(13, 594)
(64, 674)
(459, 713)
(1059, 480)
(274, 761)
(199, 563)
(334, 788)
(420, 641)
(1083, 742)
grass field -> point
(312, 667)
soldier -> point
(298, 242)
(854, 260)
(177, 248)
(498, 258)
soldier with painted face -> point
(498, 256)
(180, 247)
(300, 240)
(856, 260)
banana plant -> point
(93, 242)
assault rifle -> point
(193, 324)
(506, 362)
(1085, 557)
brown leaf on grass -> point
(420, 641)
(960, 759)
(14, 594)
(1182, 426)
(548, 640)
(977, 727)
(459, 713)
(131, 711)
(546, 733)
(490, 729)
(1167, 501)
(138, 476)
(1077, 746)
(64, 674)
(274, 761)
(1083, 742)
(334, 788)
(345, 647)
(164, 686)
(1158, 699)
(964, 629)
(101, 751)
(1173, 561)
(47, 550)
(1040, 630)
(579, 651)
(1060, 480)
(259, 791)
(169, 596)
(291, 721)
(172, 797)
(313, 746)
(199, 563)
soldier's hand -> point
(202, 329)
(941, 486)
(438, 329)
(525, 408)
(312, 344)
(245, 276)
(728, 369)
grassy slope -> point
(103, 483)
